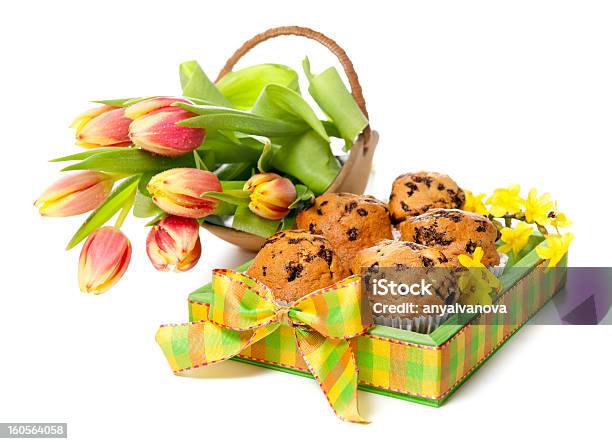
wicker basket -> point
(354, 174)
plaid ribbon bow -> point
(243, 311)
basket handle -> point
(346, 63)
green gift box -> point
(424, 368)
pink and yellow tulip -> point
(154, 127)
(104, 259)
(178, 191)
(174, 244)
(271, 195)
(105, 126)
(75, 193)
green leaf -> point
(196, 84)
(288, 222)
(234, 197)
(247, 221)
(330, 93)
(281, 103)
(218, 118)
(84, 154)
(228, 150)
(156, 219)
(232, 184)
(131, 161)
(307, 158)
(242, 87)
(113, 203)
(230, 171)
(303, 194)
(144, 206)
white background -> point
(491, 93)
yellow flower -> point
(515, 238)
(554, 248)
(538, 207)
(474, 203)
(505, 201)
(557, 219)
(473, 261)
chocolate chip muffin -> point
(407, 262)
(454, 232)
(415, 193)
(294, 263)
(350, 222)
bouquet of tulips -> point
(247, 151)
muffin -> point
(415, 193)
(407, 262)
(454, 232)
(350, 222)
(294, 263)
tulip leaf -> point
(219, 118)
(304, 194)
(288, 222)
(196, 84)
(156, 219)
(282, 103)
(234, 197)
(131, 161)
(84, 154)
(232, 151)
(144, 206)
(330, 93)
(308, 158)
(242, 87)
(232, 171)
(247, 221)
(113, 203)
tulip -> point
(76, 193)
(271, 195)
(104, 258)
(174, 244)
(178, 191)
(102, 126)
(154, 127)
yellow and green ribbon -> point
(243, 311)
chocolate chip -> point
(311, 228)
(326, 255)
(441, 187)
(412, 187)
(362, 212)
(319, 212)
(264, 270)
(427, 262)
(325, 202)
(293, 271)
(349, 207)
(404, 206)
(470, 247)
(352, 233)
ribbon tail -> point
(332, 363)
(198, 344)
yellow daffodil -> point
(537, 207)
(473, 261)
(506, 201)
(558, 220)
(476, 283)
(515, 238)
(474, 203)
(554, 248)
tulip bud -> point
(271, 195)
(178, 191)
(174, 244)
(102, 126)
(155, 127)
(104, 258)
(76, 193)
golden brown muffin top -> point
(349, 221)
(415, 193)
(454, 232)
(294, 263)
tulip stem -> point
(125, 210)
